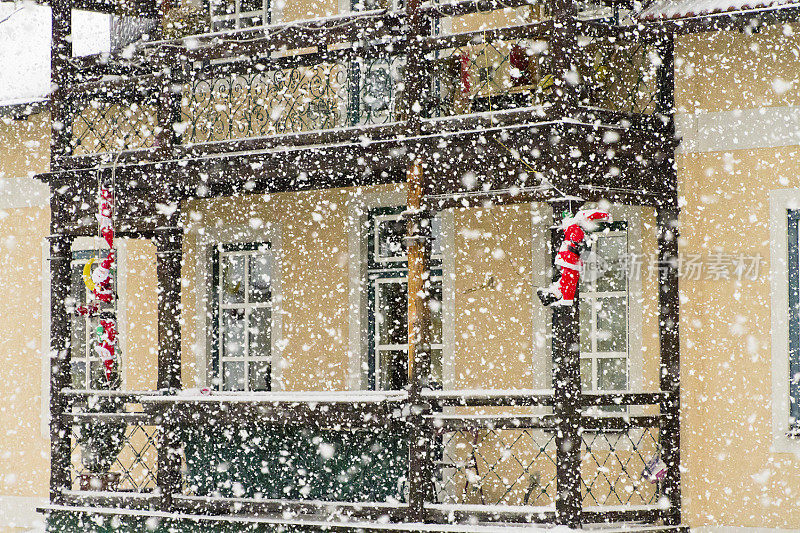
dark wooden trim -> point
(668, 296)
(532, 30)
(589, 399)
(447, 424)
(567, 393)
(60, 366)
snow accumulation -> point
(672, 9)
(284, 396)
(25, 47)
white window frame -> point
(586, 297)
(247, 307)
(780, 202)
(360, 203)
(265, 13)
(80, 244)
(207, 239)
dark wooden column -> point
(669, 299)
(419, 342)
(60, 77)
(563, 52)
(669, 434)
(567, 391)
(60, 366)
(169, 241)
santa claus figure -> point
(579, 234)
(104, 217)
(101, 277)
(106, 344)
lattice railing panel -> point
(136, 462)
(612, 465)
(497, 467)
(109, 127)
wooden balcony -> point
(584, 113)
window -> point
(794, 320)
(87, 367)
(387, 274)
(604, 312)
(237, 14)
(242, 339)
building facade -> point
(289, 188)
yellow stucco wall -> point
(732, 477)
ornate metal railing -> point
(257, 101)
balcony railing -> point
(320, 457)
(349, 82)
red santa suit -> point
(101, 276)
(577, 236)
(106, 345)
(104, 217)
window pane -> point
(585, 308)
(260, 329)
(392, 312)
(612, 325)
(247, 6)
(586, 374)
(260, 267)
(436, 368)
(611, 252)
(232, 279)
(249, 21)
(232, 332)
(436, 312)
(393, 369)
(233, 376)
(78, 375)
(97, 375)
(259, 375)
(222, 7)
(390, 233)
(612, 373)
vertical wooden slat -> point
(669, 298)
(419, 342)
(670, 355)
(169, 242)
(60, 77)
(567, 391)
(60, 366)
(563, 51)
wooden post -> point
(669, 434)
(169, 242)
(60, 76)
(60, 366)
(563, 51)
(419, 342)
(668, 295)
(567, 391)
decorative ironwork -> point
(612, 463)
(305, 98)
(498, 467)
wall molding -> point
(20, 512)
(17, 193)
(738, 129)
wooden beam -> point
(567, 393)
(60, 77)
(169, 250)
(60, 366)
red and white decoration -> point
(99, 283)
(578, 230)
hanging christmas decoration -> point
(98, 279)
(578, 231)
